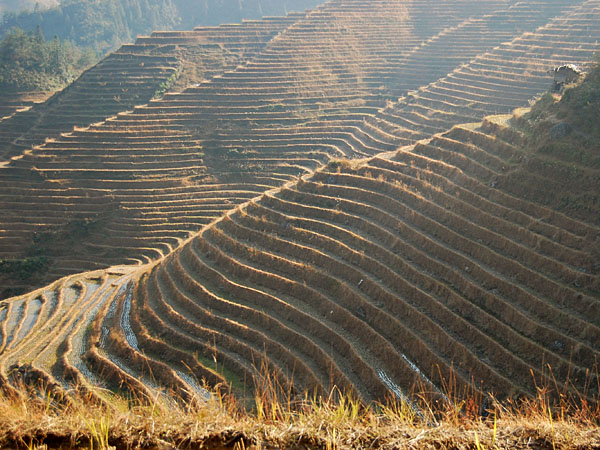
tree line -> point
(99, 24)
(105, 24)
(84, 30)
(30, 62)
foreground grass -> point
(335, 422)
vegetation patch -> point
(164, 87)
(29, 62)
(52, 240)
(24, 269)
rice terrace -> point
(366, 224)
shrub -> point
(28, 61)
(24, 269)
(166, 85)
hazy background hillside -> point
(105, 24)
(25, 5)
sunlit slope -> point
(48, 331)
(495, 81)
(399, 269)
(13, 102)
(128, 189)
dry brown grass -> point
(337, 421)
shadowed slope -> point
(19, 101)
(565, 140)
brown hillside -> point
(359, 275)
(563, 137)
(134, 74)
(446, 261)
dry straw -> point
(278, 418)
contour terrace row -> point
(10, 103)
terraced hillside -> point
(377, 274)
(436, 251)
(413, 267)
(134, 74)
(495, 81)
(312, 87)
(11, 103)
(435, 262)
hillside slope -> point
(414, 268)
(312, 87)
(97, 27)
(405, 270)
(563, 137)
